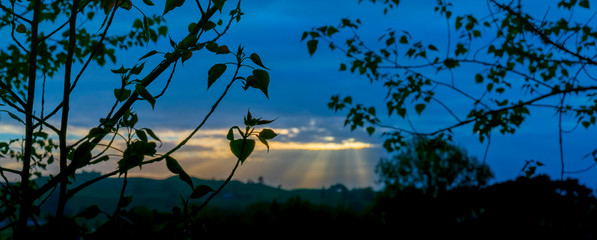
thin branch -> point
(122, 190)
(179, 145)
(2, 169)
(167, 82)
(6, 9)
(73, 191)
(213, 108)
(521, 104)
(12, 35)
(535, 30)
(91, 55)
(195, 211)
(64, 24)
(28, 114)
(200, 8)
(72, 41)
(26, 194)
(560, 112)
(157, 71)
(447, 108)
(582, 170)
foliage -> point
(432, 166)
(530, 207)
(500, 65)
(59, 40)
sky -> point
(313, 149)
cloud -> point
(294, 152)
(317, 146)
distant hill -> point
(163, 195)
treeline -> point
(526, 207)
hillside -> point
(163, 195)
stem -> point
(62, 198)
(560, 136)
(119, 205)
(195, 211)
(213, 108)
(26, 198)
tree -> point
(59, 40)
(433, 166)
(493, 69)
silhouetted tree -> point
(495, 65)
(433, 166)
(58, 40)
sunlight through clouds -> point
(299, 157)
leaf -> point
(262, 80)
(152, 134)
(122, 94)
(21, 28)
(305, 34)
(141, 135)
(331, 31)
(419, 108)
(89, 212)
(264, 141)
(149, 54)
(101, 159)
(126, 4)
(209, 25)
(108, 7)
(201, 191)
(120, 70)
(219, 4)
(489, 87)
(267, 134)
(223, 50)
(175, 168)
(312, 46)
(478, 78)
(192, 27)
(81, 155)
(186, 178)
(125, 201)
(214, 73)
(173, 165)
(171, 4)
(257, 60)
(403, 39)
(148, 2)
(584, 4)
(212, 47)
(230, 135)
(137, 69)
(140, 89)
(370, 130)
(242, 148)
(172, 43)
(262, 122)
(186, 56)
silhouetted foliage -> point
(433, 166)
(55, 42)
(526, 207)
(495, 65)
(534, 207)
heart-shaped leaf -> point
(242, 148)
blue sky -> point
(314, 149)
